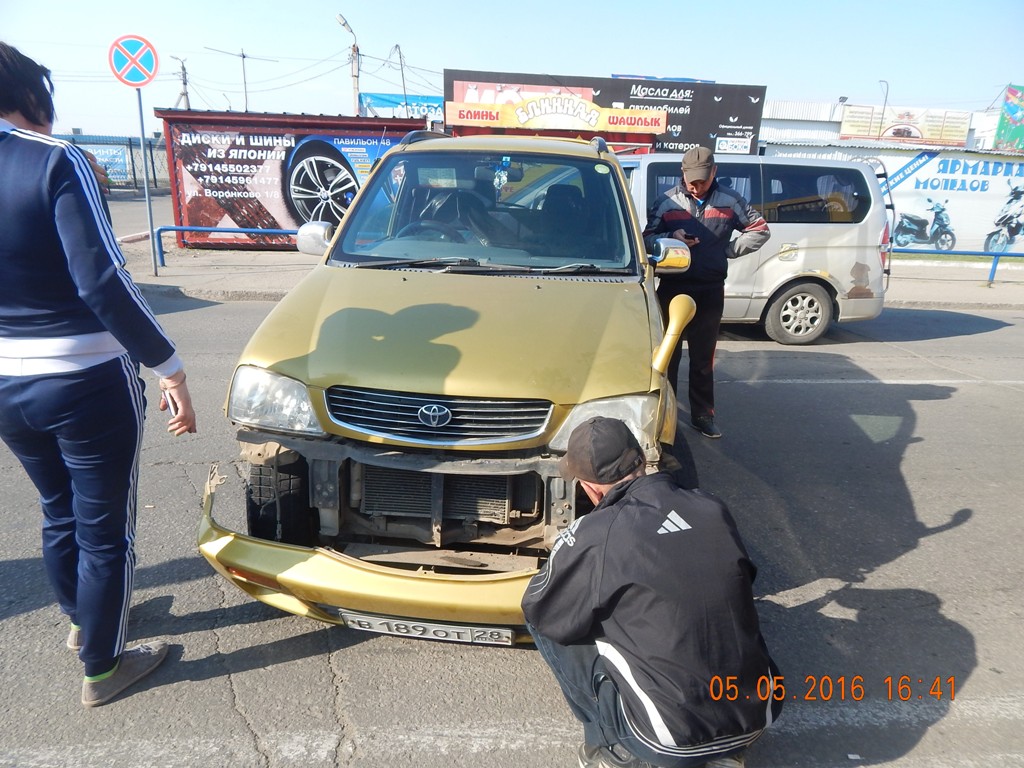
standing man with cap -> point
(704, 215)
(644, 609)
(73, 331)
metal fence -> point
(994, 255)
(123, 157)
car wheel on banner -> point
(318, 183)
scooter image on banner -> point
(1008, 221)
(915, 229)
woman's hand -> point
(99, 172)
(176, 398)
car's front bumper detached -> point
(322, 584)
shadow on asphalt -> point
(169, 300)
(34, 590)
(814, 481)
(894, 324)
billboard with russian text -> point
(972, 190)
(251, 172)
(680, 114)
(905, 125)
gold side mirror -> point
(670, 256)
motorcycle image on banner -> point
(913, 229)
(1008, 221)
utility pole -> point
(183, 96)
(885, 103)
(401, 66)
(355, 65)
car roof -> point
(499, 143)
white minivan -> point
(828, 255)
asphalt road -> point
(875, 479)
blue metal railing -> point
(232, 230)
(988, 254)
(258, 231)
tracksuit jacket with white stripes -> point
(658, 578)
(64, 292)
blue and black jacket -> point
(66, 299)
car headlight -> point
(639, 412)
(261, 398)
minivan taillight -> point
(885, 248)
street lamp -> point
(355, 65)
(885, 102)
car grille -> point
(469, 497)
(436, 419)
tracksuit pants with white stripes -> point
(78, 437)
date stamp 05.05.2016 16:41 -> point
(833, 688)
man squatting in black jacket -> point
(645, 612)
(703, 214)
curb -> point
(970, 306)
(136, 238)
(895, 263)
(217, 295)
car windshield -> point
(490, 211)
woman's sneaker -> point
(135, 664)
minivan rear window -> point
(786, 194)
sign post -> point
(134, 62)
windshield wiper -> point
(456, 261)
(581, 268)
(449, 264)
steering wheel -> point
(446, 230)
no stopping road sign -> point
(133, 60)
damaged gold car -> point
(402, 411)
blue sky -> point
(931, 54)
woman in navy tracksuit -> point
(73, 332)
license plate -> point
(453, 633)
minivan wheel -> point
(277, 505)
(799, 315)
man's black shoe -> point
(706, 426)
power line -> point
(1000, 97)
(245, 85)
(330, 59)
(214, 84)
(300, 82)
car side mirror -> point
(670, 253)
(314, 238)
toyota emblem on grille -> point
(433, 415)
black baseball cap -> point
(601, 450)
